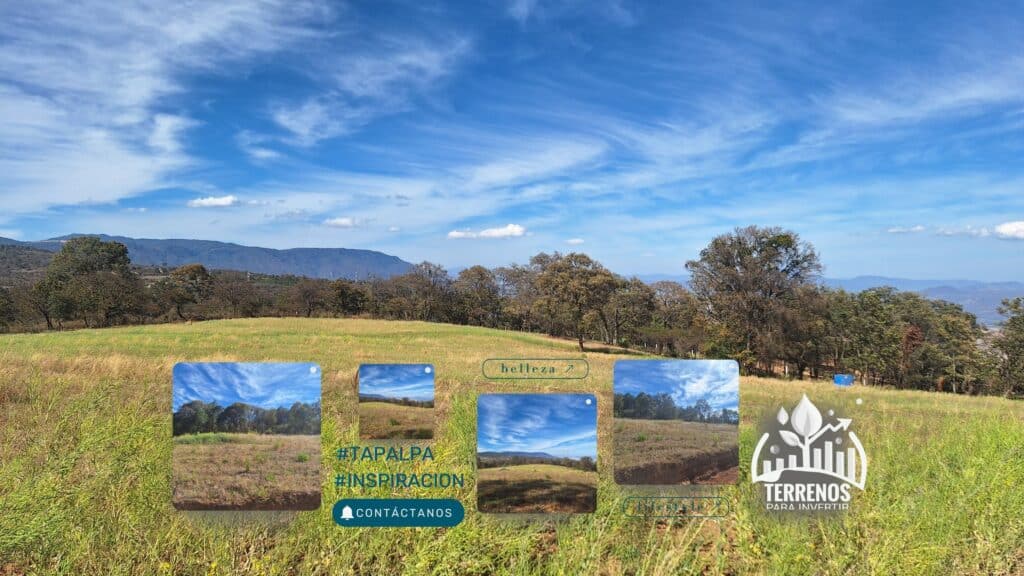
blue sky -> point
(888, 134)
(559, 424)
(412, 381)
(687, 381)
(267, 385)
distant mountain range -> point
(363, 397)
(328, 263)
(979, 298)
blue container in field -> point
(843, 379)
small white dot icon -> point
(312, 369)
(589, 401)
(859, 401)
(428, 370)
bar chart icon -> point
(806, 443)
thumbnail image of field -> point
(538, 488)
(396, 401)
(86, 482)
(386, 420)
(676, 422)
(246, 436)
(219, 471)
(537, 453)
(675, 452)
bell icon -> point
(346, 513)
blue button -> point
(408, 512)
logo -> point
(811, 461)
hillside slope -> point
(84, 483)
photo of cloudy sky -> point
(265, 385)
(686, 381)
(412, 381)
(562, 425)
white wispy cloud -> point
(560, 424)
(611, 10)
(575, 241)
(167, 132)
(84, 122)
(906, 229)
(318, 119)
(687, 381)
(368, 82)
(214, 202)
(267, 385)
(968, 230)
(961, 88)
(255, 146)
(545, 159)
(520, 10)
(341, 222)
(507, 231)
(414, 381)
(1011, 230)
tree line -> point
(661, 406)
(498, 460)
(754, 295)
(399, 401)
(197, 417)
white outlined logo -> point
(813, 462)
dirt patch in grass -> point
(662, 452)
(536, 488)
(246, 472)
(384, 420)
(708, 468)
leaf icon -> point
(790, 438)
(806, 418)
(783, 417)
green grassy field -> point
(536, 488)
(85, 469)
(246, 472)
(674, 452)
(381, 420)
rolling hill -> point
(21, 264)
(91, 463)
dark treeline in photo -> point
(661, 407)
(398, 401)
(503, 459)
(754, 295)
(198, 417)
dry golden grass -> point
(674, 452)
(536, 488)
(246, 472)
(85, 468)
(385, 420)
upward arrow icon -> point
(844, 423)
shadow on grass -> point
(707, 468)
(284, 501)
(536, 496)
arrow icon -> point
(844, 423)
